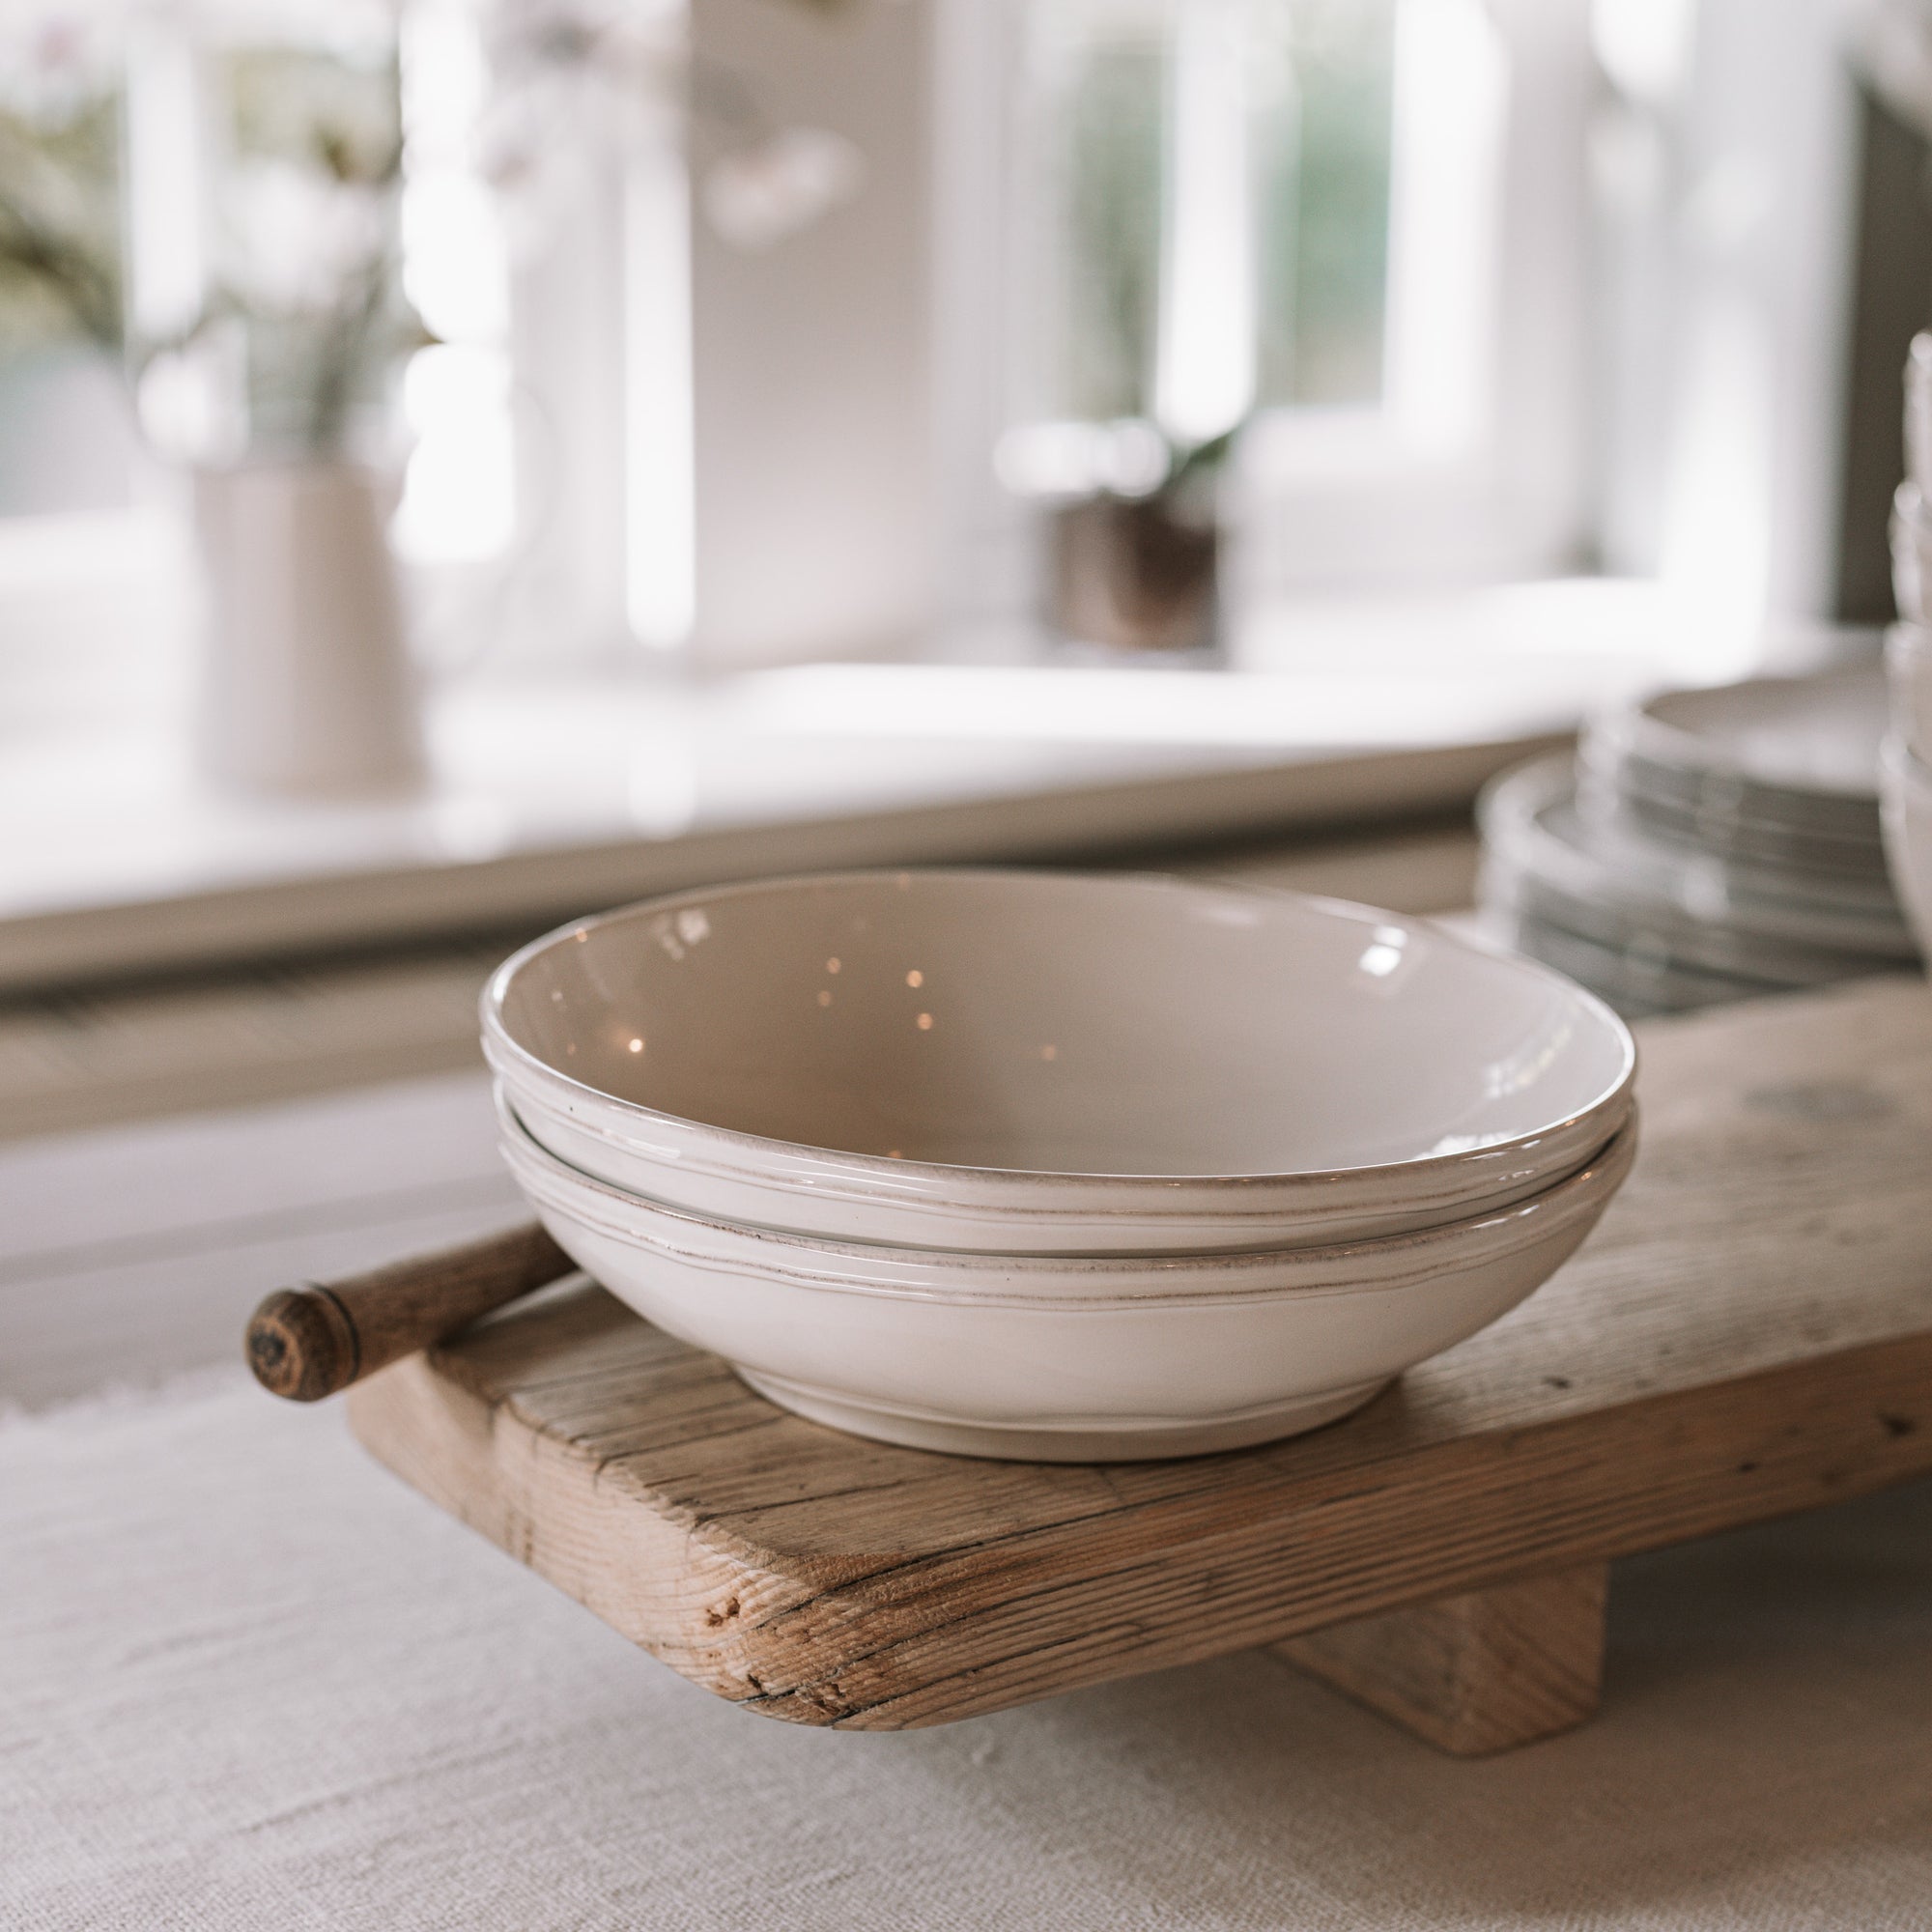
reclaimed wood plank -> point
(1747, 1334)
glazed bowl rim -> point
(517, 1064)
(970, 1278)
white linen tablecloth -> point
(248, 1680)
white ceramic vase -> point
(306, 681)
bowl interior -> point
(1029, 1022)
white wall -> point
(814, 425)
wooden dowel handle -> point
(310, 1342)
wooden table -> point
(1748, 1334)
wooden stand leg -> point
(1477, 1673)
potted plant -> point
(308, 684)
(1139, 568)
(1142, 332)
(267, 384)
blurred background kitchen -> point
(466, 461)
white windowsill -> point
(551, 797)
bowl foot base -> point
(1100, 1439)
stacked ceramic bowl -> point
(1707, 845)
(1907, 768)
(1017, 1164)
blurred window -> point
(65, 438)
(1355, 230)
(1217, 172)
(460, 502)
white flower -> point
(537, 181)
(757, 196)
(349, 27)
(574, 83)
(632, 44)
(300, 238)
(57, 57)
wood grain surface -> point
(1747, 1334)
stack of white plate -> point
(1907, 771)
(1707, 845)
(1013, 1164)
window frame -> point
(1322, 500)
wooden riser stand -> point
(1747, 1334)
(1479, 1672)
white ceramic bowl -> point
(1908, 665)
(1905, 786)
(1054, 1358)
(1030, 1063)
(1911, 551)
